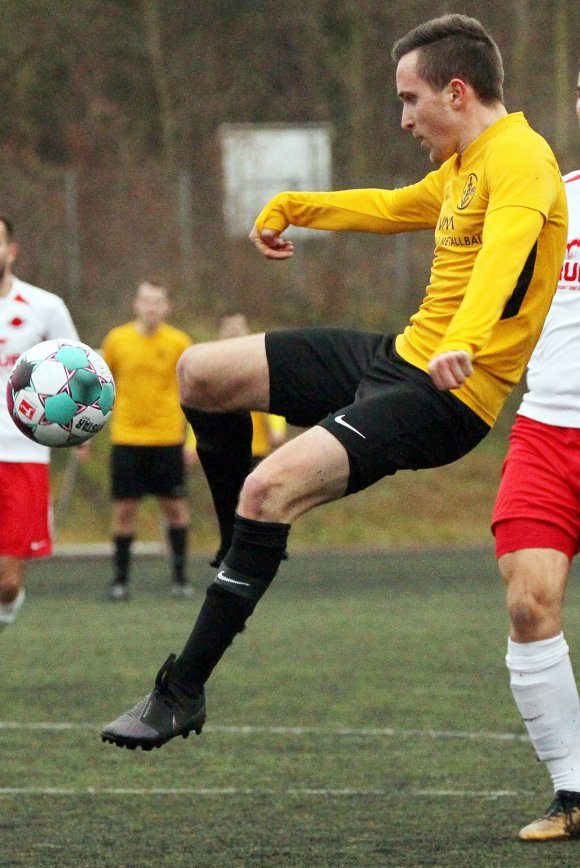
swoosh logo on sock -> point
(223, 578)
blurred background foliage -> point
(108, 105)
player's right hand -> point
(270, 243)
(450, 370)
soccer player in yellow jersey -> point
(376, 403)
(147, 431)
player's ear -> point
(457, 91)
(13, 251)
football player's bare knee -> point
(294, 480)
(11, 579)
(527, 617)
(225, 375)
(263, 497)
(125, 515)
(9, 589)
(534, 602)
(176, 511)
(195, 376)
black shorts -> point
(387, 413)
(140, 470)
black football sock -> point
(224, 447)
(177, 537)
(122, 557)
(248, 569)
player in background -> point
(149, 453)
(268, 432)
(376, 403)
(28, 315)
(536, 522)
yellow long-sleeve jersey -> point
(147, 410)
(500, 219)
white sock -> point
(8, 611)
(543, 686)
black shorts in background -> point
(387, 414)
(140, 470)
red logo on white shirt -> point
(570, 273)
(573, 248)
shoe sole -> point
(131, 742)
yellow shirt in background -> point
(264, 425)
(147, 410)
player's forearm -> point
(367, 210)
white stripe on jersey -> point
(554, 369)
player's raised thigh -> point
(230, 374)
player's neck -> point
(481, 119)
(145, 329)
(5, 284)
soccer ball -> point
(60, 393)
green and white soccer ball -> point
(60, 393)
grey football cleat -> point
(163, 714)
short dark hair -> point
(155, 281)
(455, 46)
(9, 226)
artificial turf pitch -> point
(363, 719)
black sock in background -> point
(177, 537)
(122, 557)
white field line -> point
(256, 791)
(247, 729)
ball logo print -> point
(60, 393)
(25, 409)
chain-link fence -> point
(90, 236)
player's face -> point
(151, 306)
(8, 250)
(427, 113)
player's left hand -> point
(270, 243)
(451, 369)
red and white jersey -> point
(28, 315)
(554, 369)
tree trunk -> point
(154, 45)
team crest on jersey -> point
(468, 192)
